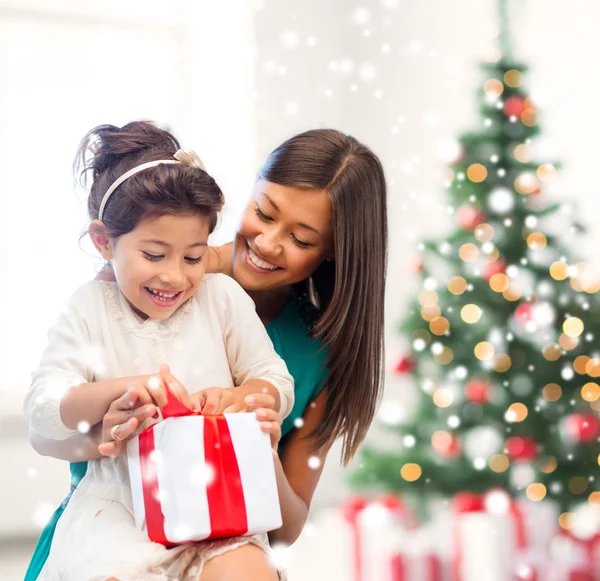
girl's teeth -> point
(254, 259)
(163, 296)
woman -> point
(311, 252)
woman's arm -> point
(296, 479)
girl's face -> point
(160, 263)
(284, 235)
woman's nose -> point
(268, 242)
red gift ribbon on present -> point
(352, 509)
(226, 504)
(433, 567)
(465, 502)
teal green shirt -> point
(305, 359)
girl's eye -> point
(300, 243)
(194, 260)
(153, 257)
(262, 215)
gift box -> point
(197, 477)
(489, 530)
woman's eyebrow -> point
(302, 224)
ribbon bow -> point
(189, 158)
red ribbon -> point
(433, 567)
(352, 509)
(226, 504)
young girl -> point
(152, 208)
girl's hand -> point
(218, 400)
(142, 400)
(122, 419)
(270, 422)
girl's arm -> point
(296, 479)
(77, 448)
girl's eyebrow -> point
(163, 243)
(302, 224)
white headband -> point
(189, 158)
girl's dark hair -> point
(107, 152)
(350, 288)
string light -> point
(411, 472)
(559, 270)
(552, 392)
(470, 314)
(573, 326)
(484, 351)
(516, 412)
(476, 172)
(590, 392)
(580, 363)
(536, 491)
(513, 78)
(468, 252)
(457, 285)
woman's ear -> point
(100, 238)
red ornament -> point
(417, 266)
(524, 313)
(582, 428)
(469, 218)
(493, 268)
(514, 106)
(405, 365)
(450, 448)
(478, 391)
(521, 448)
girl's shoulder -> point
(90, 293)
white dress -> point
(214, 339)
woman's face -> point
(284, 235)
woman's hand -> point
(270, 423)
(106, 273)
(220, 259)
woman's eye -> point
(300, 243)
(191, 260)
(153, 256)
(262, 215)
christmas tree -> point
(505, 331)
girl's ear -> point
(100, 238)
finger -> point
(212, 404)
(156, 387)
(135, 396)
(120, 432)
(197, 401)
(274, 431)
(108, 449)
(164, 369)
(234, 408)
(176, 387)
(265, 414)
(260, 400)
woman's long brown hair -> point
(350, 288)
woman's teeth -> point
(254, 259)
